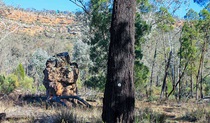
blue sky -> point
(61, 5)
(183, 9)
(64, 5)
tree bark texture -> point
(119, 98)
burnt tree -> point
(119, 99)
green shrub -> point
(96, 82)
(7, 84)
(27, 83)
(20, 72)
(2, 79)
(10, 82)
(141, 73)
(42, 88)
(21, 79)
(15, 78)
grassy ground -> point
(178, 112)
(20, 111)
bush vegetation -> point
(15, 80)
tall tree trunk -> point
(200, 69)
(165, 76)
(152, 71)
(180, 90)
(119, 98)
(174, 81)
(179, 79)
(204, 50)
(191, 84)
(179, 70)
(157, 81)
(201, 79)
(201, 85)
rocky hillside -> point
(30, 37)
(34, 23)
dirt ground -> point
(185, 112)
(21, 110)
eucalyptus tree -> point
(165, 23)
(99, 16)
(119, 98)
(189, 48)
(204, 29)
(188, 52)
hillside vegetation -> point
(29, 38)
(171, 69)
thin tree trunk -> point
(174, 80)
(180, 91)
(157, 81)
(201, 82)
(191, 84)
(204, 50)
(180, 77)
(152, 71)
(119, 98)
(179, 71)
(201, 86)
(200, 68)
(165, 76)
(165, 61)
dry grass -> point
(21, 113)
(29, 112)
(168, 111)
(76, 115)
(178, 112)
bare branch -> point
(80, 4)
